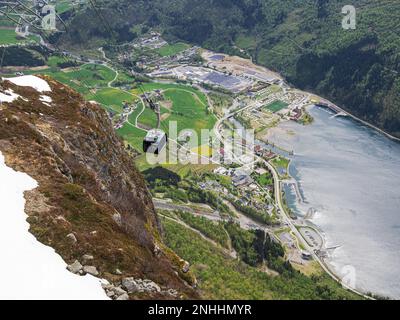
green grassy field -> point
(172, 49)
(189, 108)
(166, 86)
(63, 6)
(112, 98)
(8, 36)
(6, 22)
(276, 106)
(282, 165)
(82, 79)
(148, 118)
(183, 170)
(265, 179)
(132, 117)
(246, 42)
(280, 162)
(53, 61)
(132, 135)
(211, 229)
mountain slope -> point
(304, 40)
(90, 200)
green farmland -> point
(276, 106)
(172, 49)
(63, 6)
(112, 98)
(81, 79)
(189, 108)
(8, 37)
(132, 135)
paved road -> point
(279, 203)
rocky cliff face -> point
(91, 202)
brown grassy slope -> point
(85, 176)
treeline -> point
(255, 247)
(253, 213)
(22, 56)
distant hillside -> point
(304, 40)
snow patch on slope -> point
(30, 81)
(46, 99)
(8, 96)
(29, 269)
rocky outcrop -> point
(91, 270)
(90, 197)
(75, 267)
(138, 285)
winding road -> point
(284, 216)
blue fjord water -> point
(350, 175)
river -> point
(349, 174)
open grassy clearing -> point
(58, 61)
(6, 22)
(82, 79)
(167, 86)
(276, 106)
(246, 42)
(183, 170)
(134, 114)
(53, 61)
(112, 98)
(132, 135)
(172, 49)
(280, 162)
(63, 6)
(265, 179)
(186, 110)
(9, 36)
(189, 112)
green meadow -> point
(82, 79)
(8, 36)
(172, 49)
(276, 106)
(189, 108)
(112, 98)
(132, 135)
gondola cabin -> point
(155, 141)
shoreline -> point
(335, 108)
(328, 261)
(294, 226)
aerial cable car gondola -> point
(156, 139)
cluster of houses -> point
(249, 193)
(127, 109)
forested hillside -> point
(303, 40)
